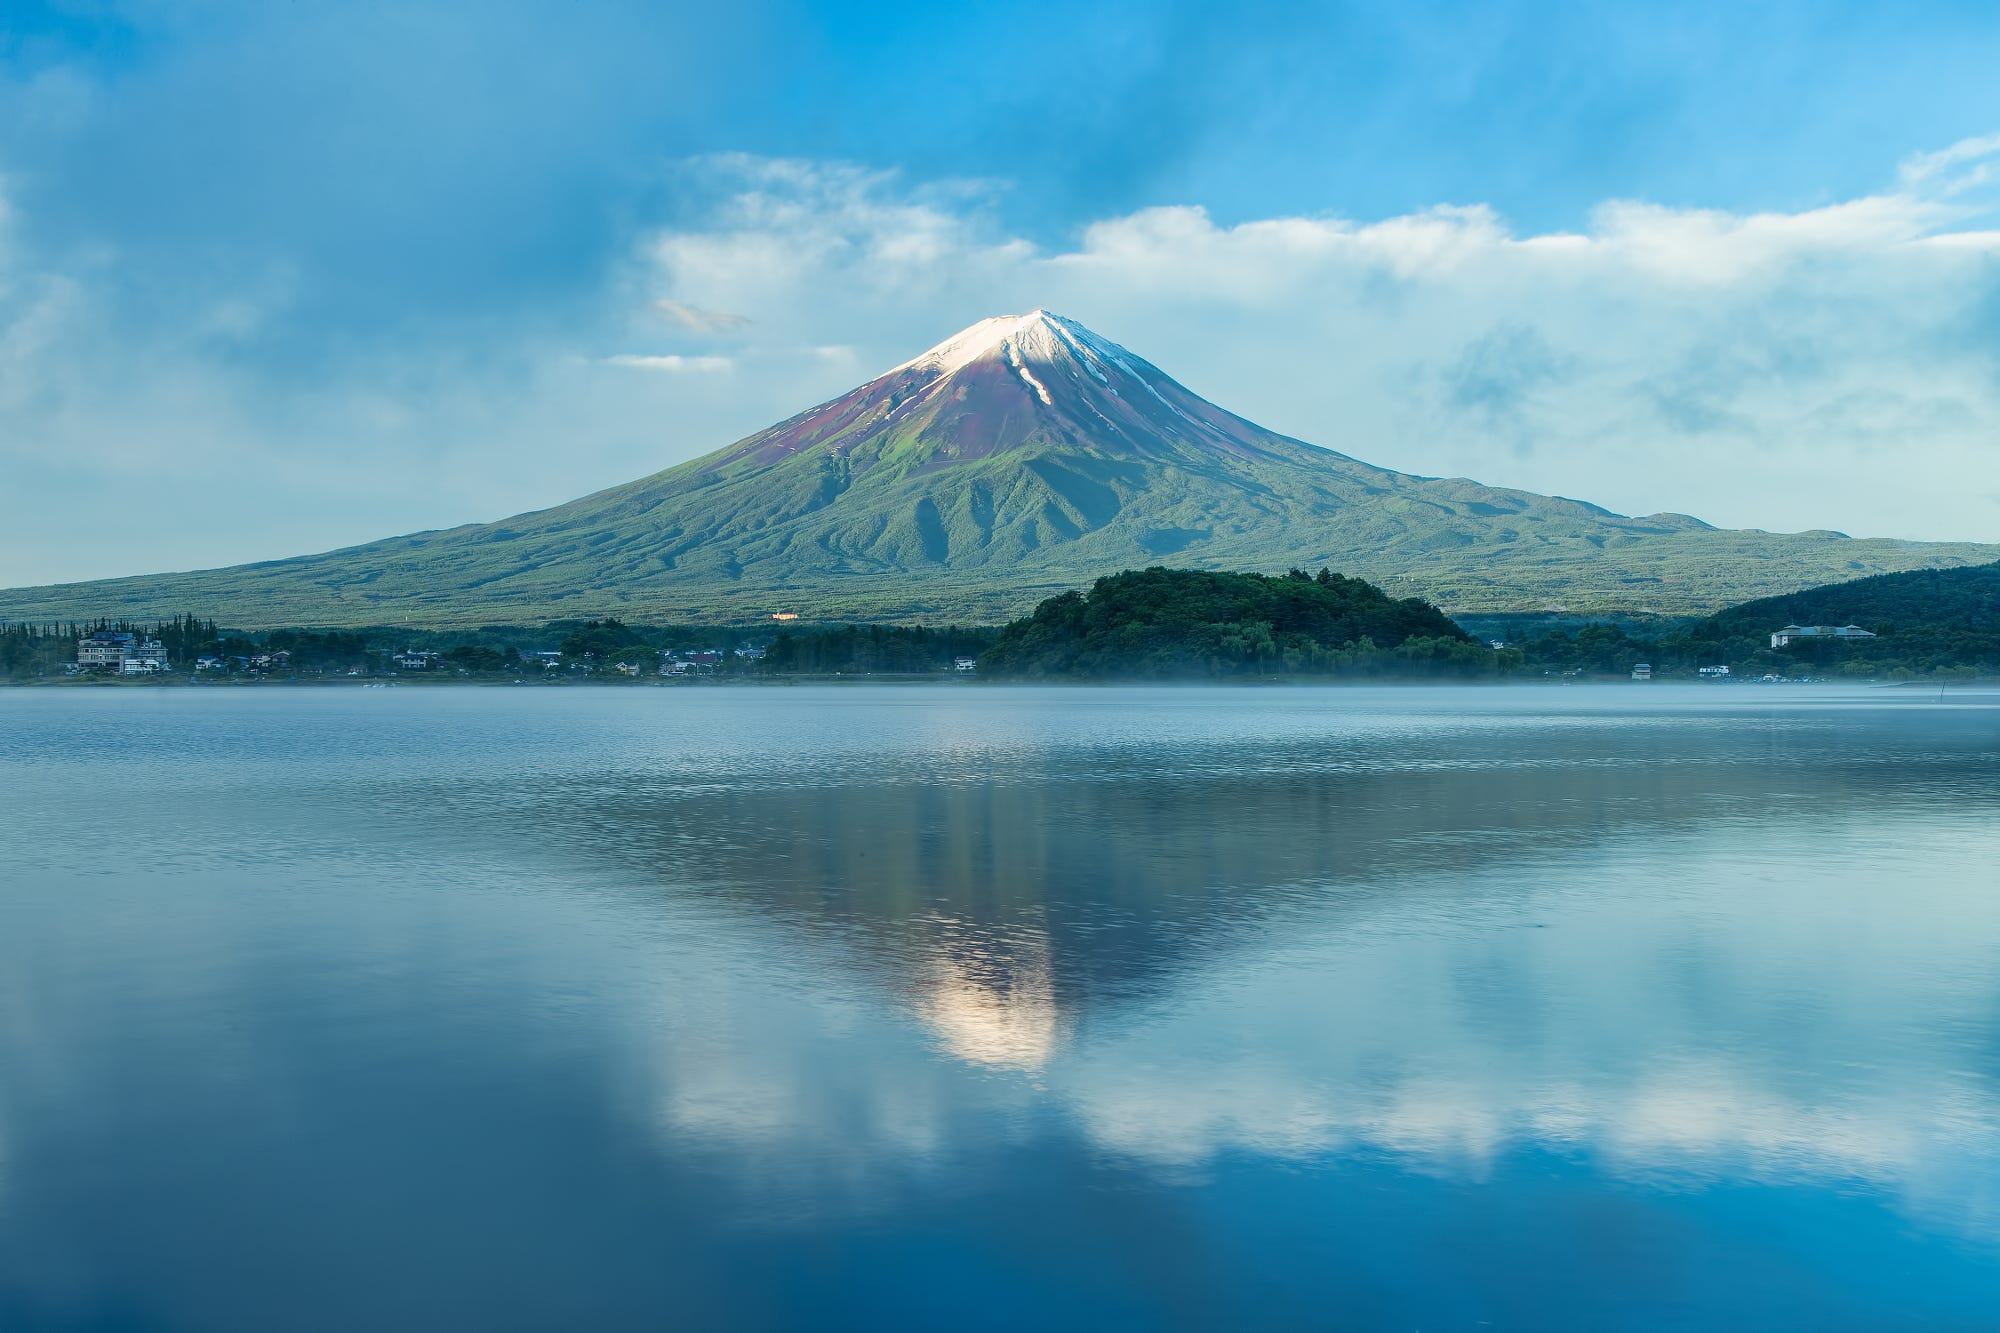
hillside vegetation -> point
(1920, 607)
(1173, 623)
(1926, 622)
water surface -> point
(967, 1006)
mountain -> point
(1023, 457)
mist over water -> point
(628, 1008)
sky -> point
(280, 278)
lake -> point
(965, 1006)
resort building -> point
(144, 659)
(1817, 634)
(103, 649)
(125, 654)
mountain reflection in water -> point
(1382, 1004)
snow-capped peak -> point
(1037, 338)
(1039, 349)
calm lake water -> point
(975, 1007)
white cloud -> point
(673, 363)
(697, 320)
(1963, 166)
(1836, 366)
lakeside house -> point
(1642, 671)
(694, 661)
(692, 664)
(413, 659)
(121, 653)
(1791, 634)
(964, 664)
(1712, 672)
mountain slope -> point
(1022, 457)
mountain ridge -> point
(1021, 457)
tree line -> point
(1157, 623)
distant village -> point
(124, 653)
(131, 653)
(1783, 638)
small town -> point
(192, 651)
(122, 653)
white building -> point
(126, 654)
(103, 649)
(964, 664)
(1817, 634)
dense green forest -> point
(1184, 623)
(1924, 619)
(850, 649)
(1927, 622)
(811, 650)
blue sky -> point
(279, 277)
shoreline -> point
(892, 680)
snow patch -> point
(1027, 377)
